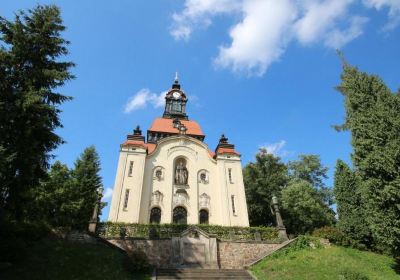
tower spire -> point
(176, 82)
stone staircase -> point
(209, 274)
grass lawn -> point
(326, 263)
(56, 259)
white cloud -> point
(142, 98)
(393, 14)
(277, 149)
(107, 194)
(260, 38)
(262, 29)
(317, 18)
(338, 38)
(198, 13)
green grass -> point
(57, 259)
(326, 263)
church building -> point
(174, 177)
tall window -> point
(126, 198)
(233, 204)
(203, 216)
(180, 216)
(230, 175)
(155, 215)
(176, 106)
(130, 168)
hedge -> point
(161, 231)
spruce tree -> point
(372, 117)
(350, 208)
(31, 74)
(87, 182)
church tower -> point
(174, 177)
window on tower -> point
(130, 168)
(126, 199)
(176, 106)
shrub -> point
(337, 237)
(155, 231)
(334, 234)
(137, 261)
(302, 242)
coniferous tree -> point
(350, 209)
(372, 117)
(87, 182)
(31, 72)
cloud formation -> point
(142, 98)
(277, 149)
(263, 28)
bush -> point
(337, 237)
(302, 242)
(155, 231)
(137, 261)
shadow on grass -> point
(396, 265)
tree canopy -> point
(298, 185)
(31, 73)
(372, 118)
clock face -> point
(176, 95)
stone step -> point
(210, 274)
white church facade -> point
(174, 177)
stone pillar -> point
(93, 221)
(279, 222)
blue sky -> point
(261, 71)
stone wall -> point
(230, 254)
(238, 254)
(159, 252)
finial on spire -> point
(176, 82)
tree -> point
(310, 169)
(263, 178)
(87, 182)
(350, 209)
(31, 72)
(302, 208)
(372, 117)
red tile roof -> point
(150, 147)
(227, 151)
(165, 125)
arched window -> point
(203, 216)
(155, 215)
(180, 216)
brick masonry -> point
(231, 254)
